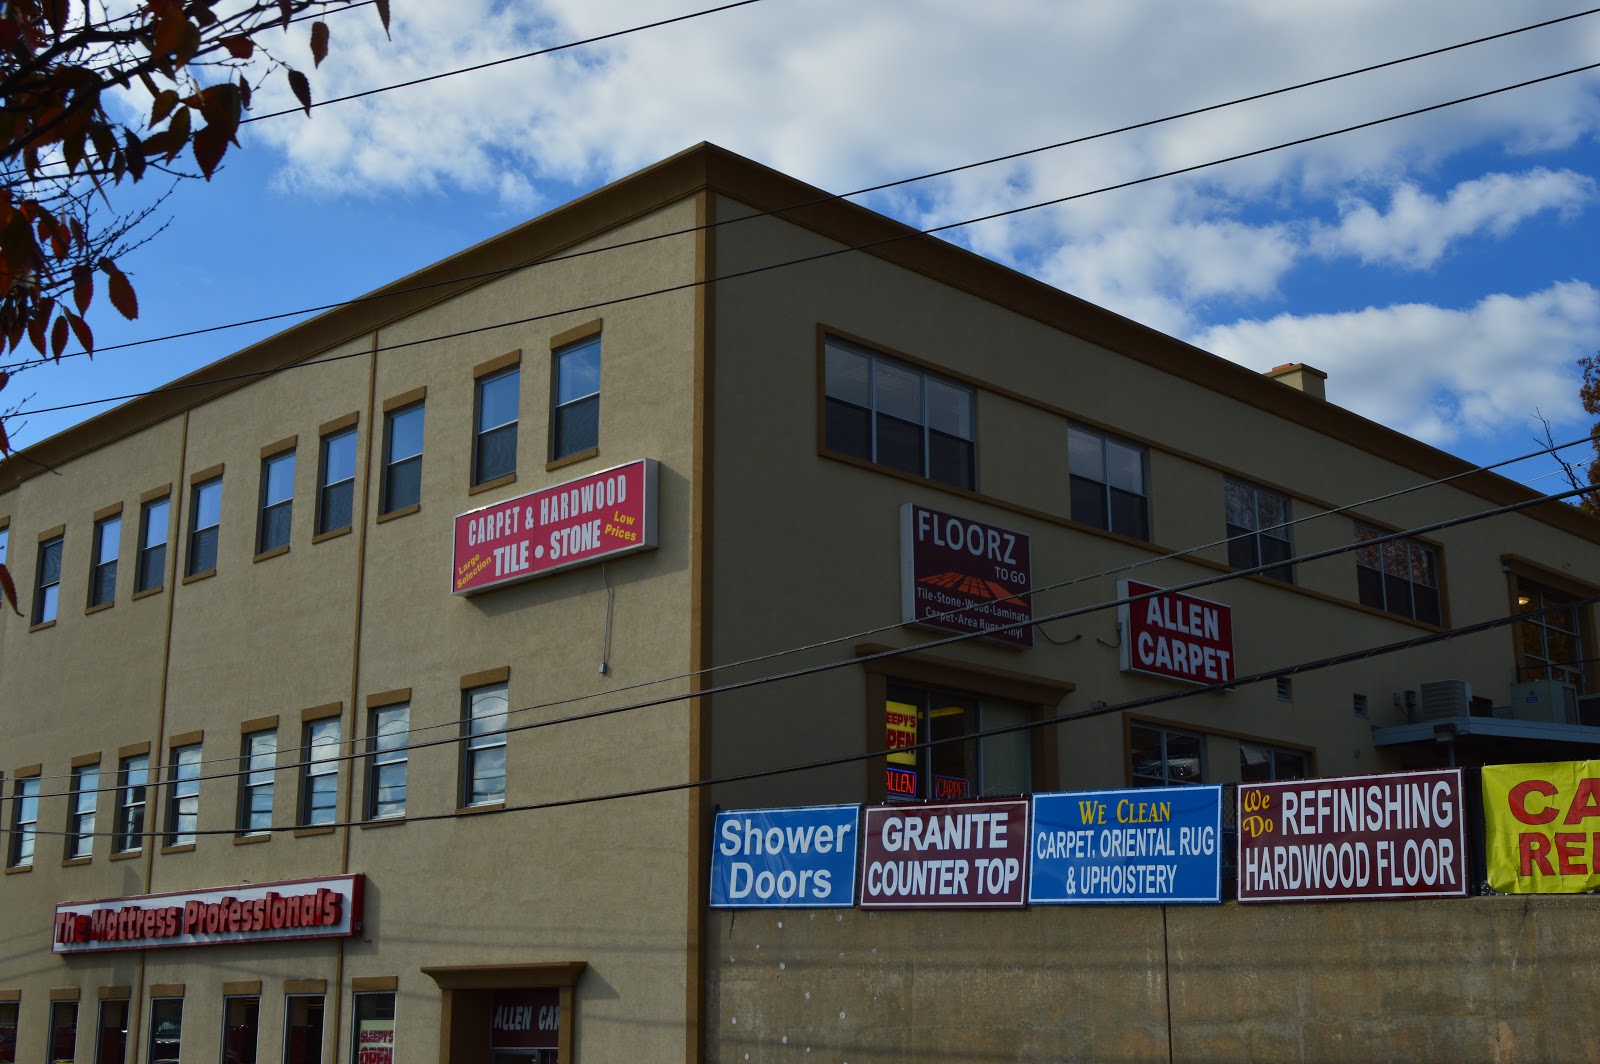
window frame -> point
(481, 383)
(141, 583)
(101, 1027)
(58, 1008)
(47, 586)
(326, 487)
(1274, 753)
(1166, 733)
(830, 401)
(1431, 556)
(1532, 591)
(268, 508)
(319, 771)
(255, 1029)
(79, 842)
(23, 846)
(1108, 491)
(1253, 538)
(926, 702)
(197, 531)
(559, 408)
(387, 503)
(476, 744)
(183, 794)
(129, 829)
(356, 1002)
(250, 785)
(102, 571)
(381, 760)
(150, 1049)
(314, 1057)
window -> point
(1359, 704)
(183, 795)
(890, 414)
(1262, 764)
(47, 588)
(389, 731)
(152, 545)
(205, 526)
(302, 1036)
(958, 768)
(241, 1025)
(1108, 482)
(1285, 689)
(1551, 644)
(103, 566)
(1258, 529)
(575, 421)
(494, 443)
(63, 1032)
(133, 780)
(483, 767)
(1400, 576)
(166, 1030)
(277, 502)
(319, 773)
(402, 458)
(1164, 757)
(24, 821)
(112, 1046)
(257, 771)
(5, 541)
(8, 1031)
(336, 497)
(373, 1018)
(85, 795)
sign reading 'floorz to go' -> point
(785, 858)
(591, 519)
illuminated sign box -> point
(592, 519)
(1175, 636)
(253, 912)
(1401, 835)
(959, 575)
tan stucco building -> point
(239, 598)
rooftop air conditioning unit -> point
(1442, 699)
(1547, 701)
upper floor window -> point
(5, 540)
(103, 564)
(260, 759)
(277, 502)
(1163, 757)
(494, 440)
(483, 755)
(388, 736)
(84, 797)
(1108, 482)
(47, 589)
(183, 795)
(1551, 644)
(24, 821)
(336, 492)
(152, 544)
(205, 527)
(1258, 529)
(1259, 763)
(402, 458)
(956, 767)
(575, 418)
(1400, 576)
(133, 780)
(319, 773)
(893, 415)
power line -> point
(910, 234)
(841, 663)
(488, 274)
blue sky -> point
(1442, 269)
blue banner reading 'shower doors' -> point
(785, 858)
(1148, 844)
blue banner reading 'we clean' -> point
(1144, 845)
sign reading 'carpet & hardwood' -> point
(255, 912)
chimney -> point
(1308, 379)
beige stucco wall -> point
(1503, 979)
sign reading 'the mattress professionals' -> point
(587, 520)
(1148, 844)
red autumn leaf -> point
(36, 326)
(6, 585)
(80, 329)
(244, 93)
(301, 89)
(239, 46)
(287, 7)
(163, 105)
(58, 338)
(319, 42)
(82, 287)
(383, 13)
(209, 146)
(120, 291)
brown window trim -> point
(133, 750)
(66, 993)
(339, 424)
(247, 840)
(497, 482)
(208, 473)
(568, 337)
(332, 533)
(495, 365)
(322, 712)
(374, 984)
(305, 986)
(83, 760)
(571, 459)
(415, 395)
(258, 724)
(242, 988)
(486, 677)
(188, 738)
(194, 578)
(52, 533)
(115, 993)
(163, 492)
(563, 975)
(272, 450)
(147, 592)
(114, 510)
(303, 833)
(273, 553)
(99, 608)
(166, 990)
(187, 847)
(404, 511)
(398, 696)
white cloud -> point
(1418, 228)
(1435, 373)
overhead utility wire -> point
(831, 198)
(892, 652)
(354, 741)
(847, 249)
(1295, 669)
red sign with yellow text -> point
(591, 519)
(1542, 826)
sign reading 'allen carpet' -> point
(1175, 636)
(964, 576)
(591, 519)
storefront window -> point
(8, 1032)
(373, 1041)
(525, 1026)
(241, 1022)
(166, 1030)
(1259, 763)
(1163, 757)
(955, 767)
(302, 1039)
(63, 1031)
(112, 1047)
